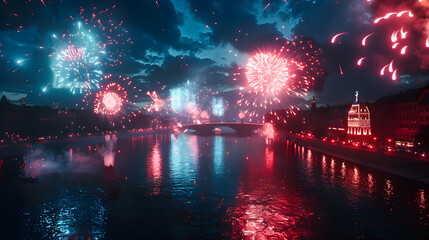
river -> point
(191, 187)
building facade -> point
(399, 118)
(358, 120)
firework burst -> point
(83, 47)
(157, 102)
(268, 74)
(219, 107)
(110, 100)
(273, 75)
(78, 66)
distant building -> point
(411, 115)
(383, 118)
(399, 118)
(358, 120)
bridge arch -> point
(240, 128)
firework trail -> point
(407, 42)
(334, 38)
(157, 102)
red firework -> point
(271, 75)
(109, 101)
(268, 74)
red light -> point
(375, 138)
(241, 115)
(389, 140)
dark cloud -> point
(234, 22)
(179, 69)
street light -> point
(241, 115)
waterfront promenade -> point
(413, 168)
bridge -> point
(208, 128)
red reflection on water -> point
(309, 159)
(332, 170)
(371, 184)
(343, 170)
(421, 199)
(423, 210)
(154, 169)
(108, 152)
(324, 165)
(265, 209)
(356, 177)
(388, 190)
(269, 158)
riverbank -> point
(17, 149)
(405, 167)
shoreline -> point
(414, 169)
(16, 149)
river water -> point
(218, 187)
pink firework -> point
(272, 75)
(109, 101)
(268, 74)
(72, 53)
(157, 102)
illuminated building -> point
(358, 120)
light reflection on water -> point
(62, 216)
(154, 169)
(184, 155)
(218, 154)
(191, 187)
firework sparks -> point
(273, 75)
(334, 38)
(359, 62)
(109, 101)
(404, 29)
(266, 6)
(268, 73)
(365, 38)
(218, 107)
(157, 102)
(77, 68)
(90, 42)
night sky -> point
(206, 42)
